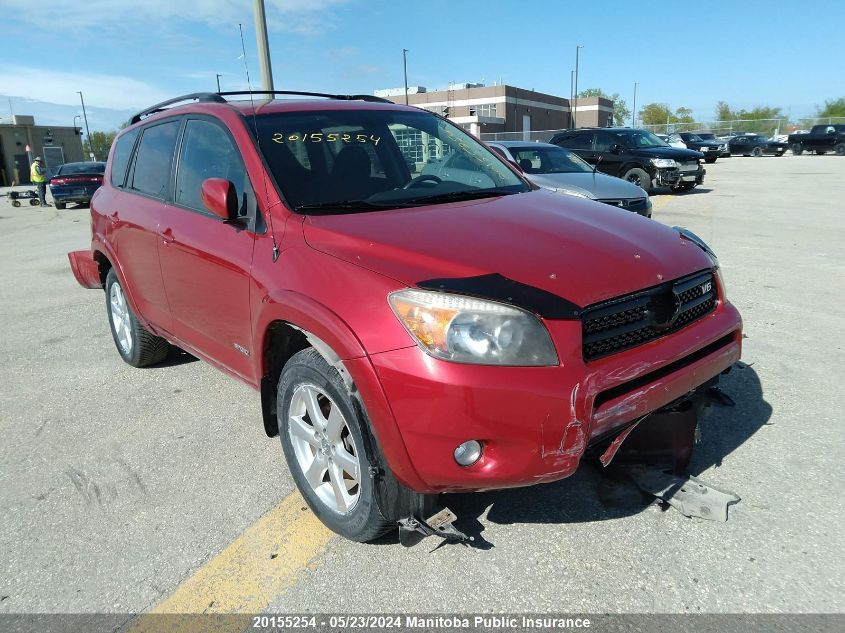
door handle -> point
(167, 236)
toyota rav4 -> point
(409, 333)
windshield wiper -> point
(457, 196)
(346, 206)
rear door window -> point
(580, 141)
(121, 156)
(154, 159)
(604, 141)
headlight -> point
(467, 330)
(663, 162)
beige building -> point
(56, 144)
(507, 110)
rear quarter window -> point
(121, 156)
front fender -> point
(325, 329)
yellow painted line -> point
(659, 202)
(254, 569)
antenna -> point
(258, 143)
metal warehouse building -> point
(22, 140)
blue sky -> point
(126, 54)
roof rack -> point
(218, 97)
(202, 97)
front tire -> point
(638, 177)
(840, 149)
(797, 149)
(136, 345)
(757, 152)
(820, 152)
(683, 187)
(322, 437)
(60, 205)
(710, 160)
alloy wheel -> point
(324, 448)
(120, 319)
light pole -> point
(634, 109)
(405, 67)
(263, 45)
(87, 132)
(575, 111)
(218, 81)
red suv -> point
(409, 333)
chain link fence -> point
(766, 127)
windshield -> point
(81, 168)
(641, 138)
(691, 137)
(341, 161)
(548, 160)
(706, 137)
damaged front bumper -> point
(535, 423)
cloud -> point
(107, 91)
(300, 16)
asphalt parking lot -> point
(126, 490)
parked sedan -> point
(755, 145)
(721, 142)
(76, 183)
(711, 148)
(557, 169)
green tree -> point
(834, 107)
(100, 143)
(655, 114)
(621, 112)
(724, 112)
(683, 115)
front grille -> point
(689, 165)
(625, 322)
(632, 204)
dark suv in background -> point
(637, 156)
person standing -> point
(38, 176)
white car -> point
(673, 141)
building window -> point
(486, 109)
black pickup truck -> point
(820, 139)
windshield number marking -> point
(331, 137)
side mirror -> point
(220, 197)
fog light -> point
(468, 453)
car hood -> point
(675, 153)
(580, 250)
(593, 185)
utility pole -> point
(87, 132)
(634, 109)
(218, 81)
(405, 66)
(575, 111)
(263, 45)
(571, 97)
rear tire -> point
(136, 345)
(34, 202)
(639, 177)
(757, 152)
(797, 149)
(60, 205)
(16, 203)
(820, 152)
(322, 434)
(710, 160)
(840, 149)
